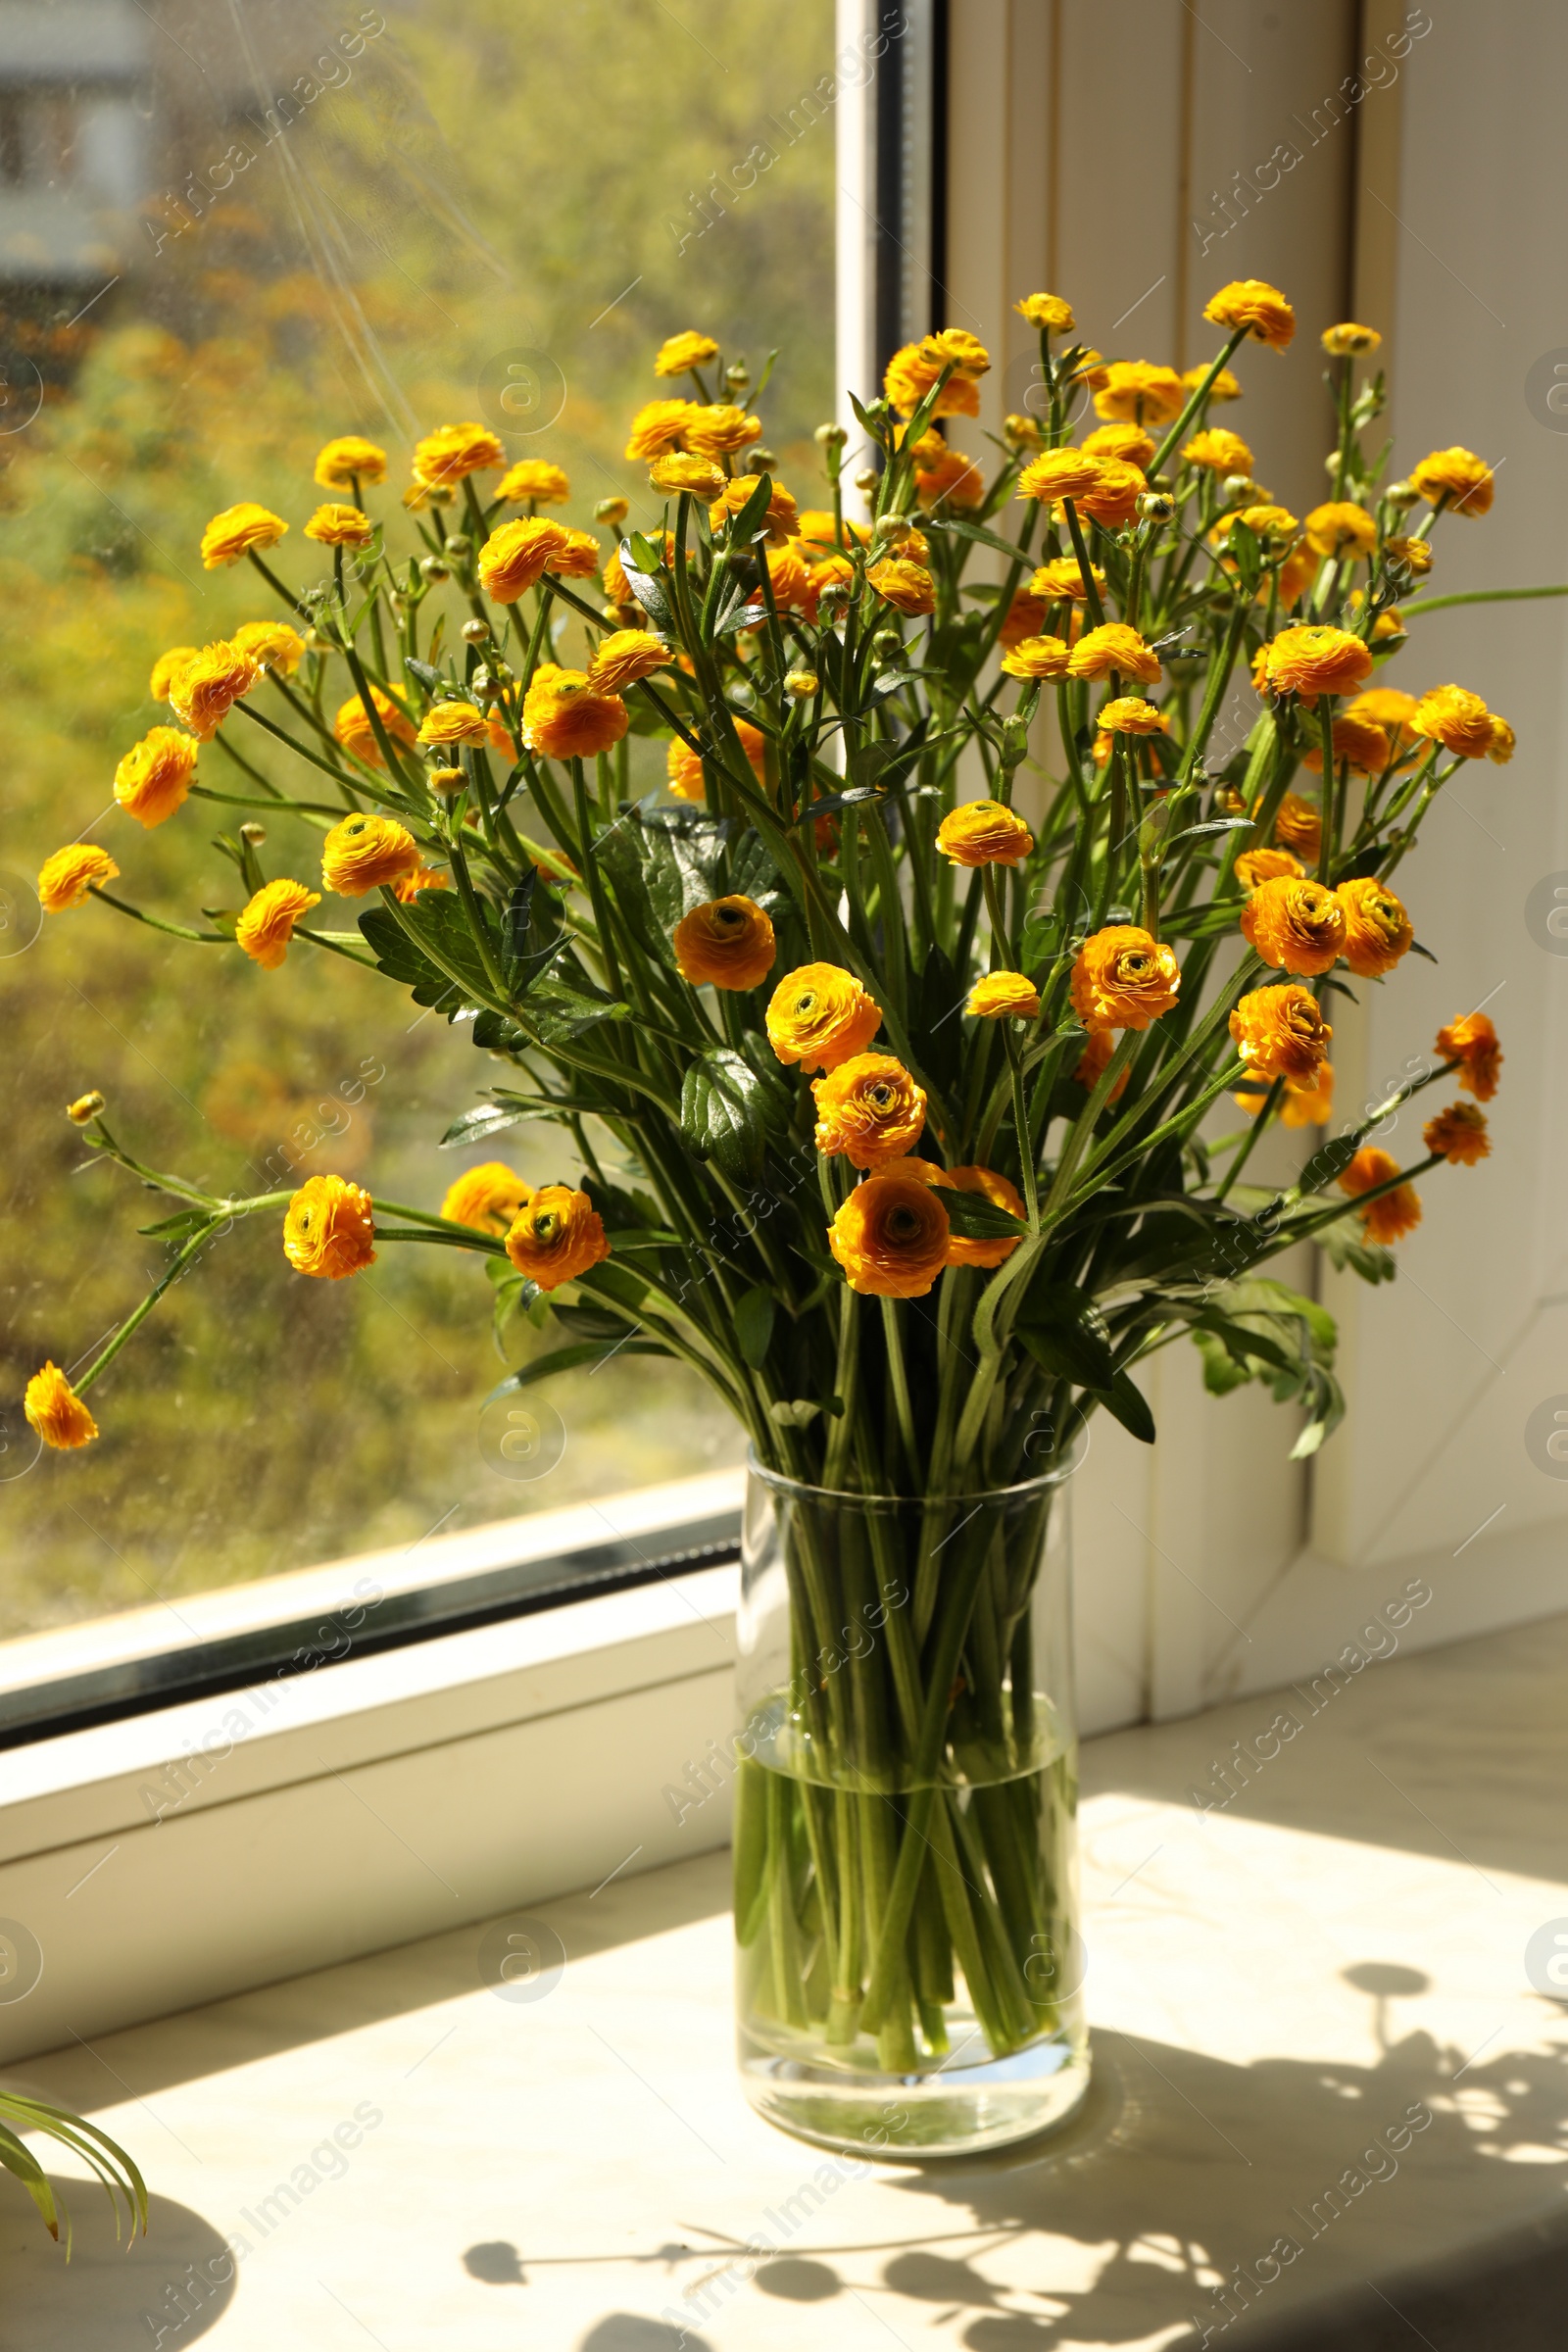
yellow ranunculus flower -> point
(205, 689)
(364, 853)
(537, 479)
(237, 531)
(155, 775)
(565, 718)
(678, 354)
(347, 459)
(513, 558)
(625, 657)
(1124, 979)
(1260, 308)
(820, 1015)
(1281, 1033)
(455, 721)
(1377, 929)
(984, 833)
(1003, 997)
(267, 925)
(352, 727)
(329, 1231)
(340, 527)
(491, 1196)
(1466, 481)
(452, 450)
(1296, 924)
(891, 1236)
(270, 644)
(556, 1236)
(65, 879)
(870, 1108)
(728, 943)
(55, 1410)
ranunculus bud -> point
(475, 633)
(611, 511)
(253, 833)
(1155, 505)
(737, 375)
(1402, 494)
(801, 684)
(830, 436)
(86, 1109)
(433, 569)
(453, 546)
(867, 479)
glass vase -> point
(909, 1964)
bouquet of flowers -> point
(881, 1053)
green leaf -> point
(725, 1112)
(1330, 1162)
(753, 515)
(981, 538)
(1127, 1403)
(184, 1221)
(1221, 1372)
(402, 961)
(560, 1012)
(754, 1325)
(975, 1218)
(19, 2159)
(473, 1126)
(639, 561)
(571, 1360)
(1063, 1331)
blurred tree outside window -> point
(227, 236)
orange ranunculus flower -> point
(352, 727)
(340, 527)
(821, 536)
(1218, 449)
(1503, 741)
(237, 531)
(971, 1250)
(1254, 867)
(347, 459)
(1058, 474)
(167, 666)
(56, 1412)
(1414, 554)
(1472, 1042)
(1113, 646)
(565, 719)
(1377, 928)
(1357, 740)
(984, 833)
(625, 657)
(1315, 660)
(1459, 1132)
(513, 558)
(1262, 308)
(1460, 477)
(1456, 719)
(1339, 342)
(1340, 527)
(787, 577)
(1027, 616)
(891, 1235)
(722, 429)
(65, 879)
(659, 425)
(267, 926)
(271, 644)
(684, 768)
(329, 1231)
(781, 520)
(455, 721)
(678, 354)
(535, 480)
(1127, 441)
(1266, 521)
(1298, 826)
(1112, 500)
(1297, 926)
(819, 1016)
(1064, 577)
(557, 1234)
(1389, 708)
(445, 456)
(1123, 979)
(949, 475)
(578, 559)
(206, 688)
(1397, 1213)
(155, 775)
(1036, 658)
(490, 1196)
(1297, 575)
(680, 469)
(364, 853)
(408, 887)
(1092, 1061)
(912, 371)
(907, 587)
(1309, 1106)
(1281, 1033)
(1139, 392)
(1130, 714)
(1003, 997)
(1047, 311)
(728, 943)
(1225, 386)
(870, 1108)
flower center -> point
(902, 1225)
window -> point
(223, 237)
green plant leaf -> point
(571, 1360)
(976, 1218)
(755, 1313)
(560, 1012)
(725, 1112)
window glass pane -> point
(226, 234)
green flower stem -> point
(206, 938)
(1479, 596)
(1195, 402)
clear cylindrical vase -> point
(909, 1962)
